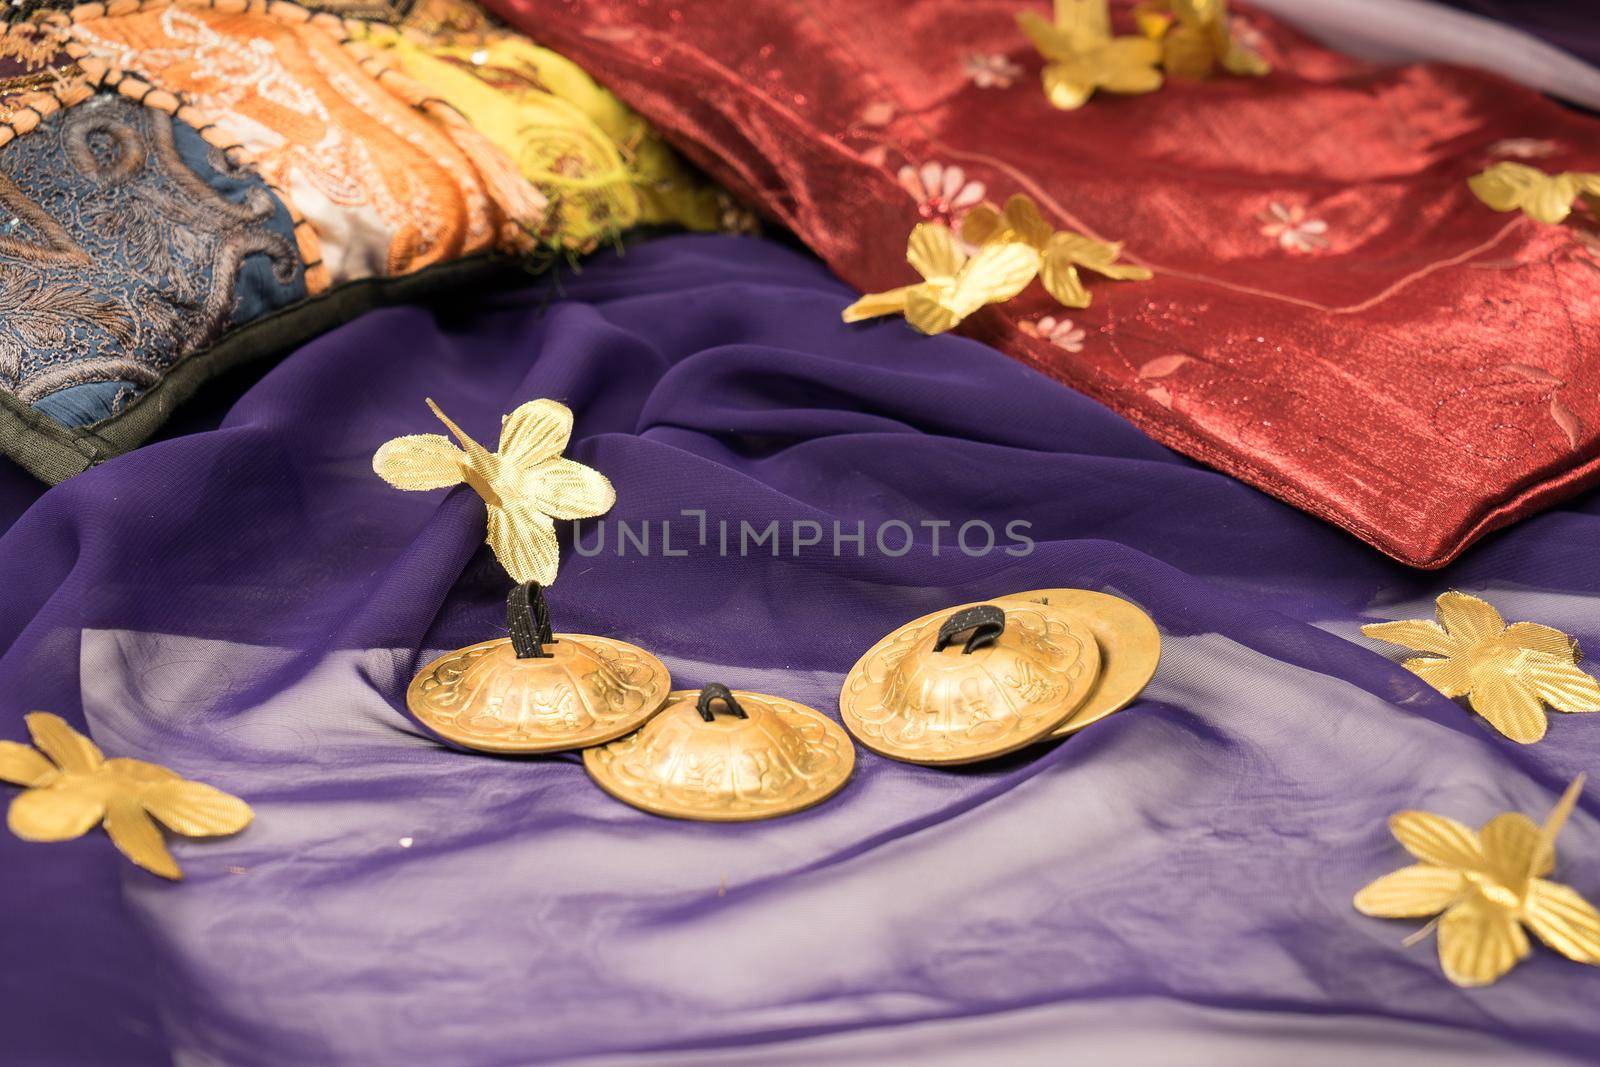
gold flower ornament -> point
(1061, 252)
(526, 484)
(1081, 56)
(1196, 37)
(1548, 198)
(954, 284)
(1507, 673)
(70, 788)
(1485, 886)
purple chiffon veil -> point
(245, 601)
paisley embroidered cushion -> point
(129, 242)
(188, 185)
(1334, 317)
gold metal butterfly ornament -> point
(954, 284)
(526, 484)
(1507, 673)
(1082, 56)
(1548, 198)
(70, 788)
(1061, 252)
(1485, 887)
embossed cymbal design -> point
(1130, 649)
(582, 691)
(756, 757)
(923, 697)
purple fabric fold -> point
(1564, 24)
(245, 602)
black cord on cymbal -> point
(710, 695)
(986, 623)
(528, 618)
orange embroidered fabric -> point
(1334, 317)
(386, 190)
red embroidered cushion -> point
(1334, 318)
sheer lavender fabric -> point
(245, 603)
(1563, 23)
(1536, 47)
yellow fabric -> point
(601, 166)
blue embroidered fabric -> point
(126, 243)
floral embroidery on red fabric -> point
(943, 193)
(1293, 231)
(1060, 332)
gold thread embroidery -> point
(142, 264)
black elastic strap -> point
(528, 617)
(986, 622)
(711, 694)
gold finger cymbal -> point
(753, 757)
(536, 691)
(922, 696)
(1130, 649)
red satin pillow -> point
(1334, 318)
